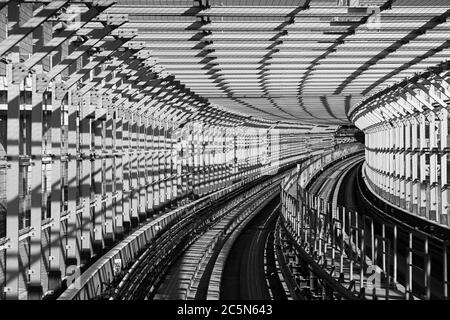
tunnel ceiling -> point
(290, 60)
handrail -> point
(345, 293)
(319, 160)
(310, 222)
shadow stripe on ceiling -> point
(392, 48)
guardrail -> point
(306, 170)
(309, 223)
(364, 246)
(420, 245)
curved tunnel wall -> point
(407, 144)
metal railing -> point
(382, 257)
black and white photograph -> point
(224, 158)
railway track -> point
(307, 276)
(412, 258)
(324, 184)
(194, 247)
(150, 270)
(246, 271)
(185, 278)
(205, 278)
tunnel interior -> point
(169, 125)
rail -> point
(310, 249)
(216, 274)
(420, 245)
(364, 247)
